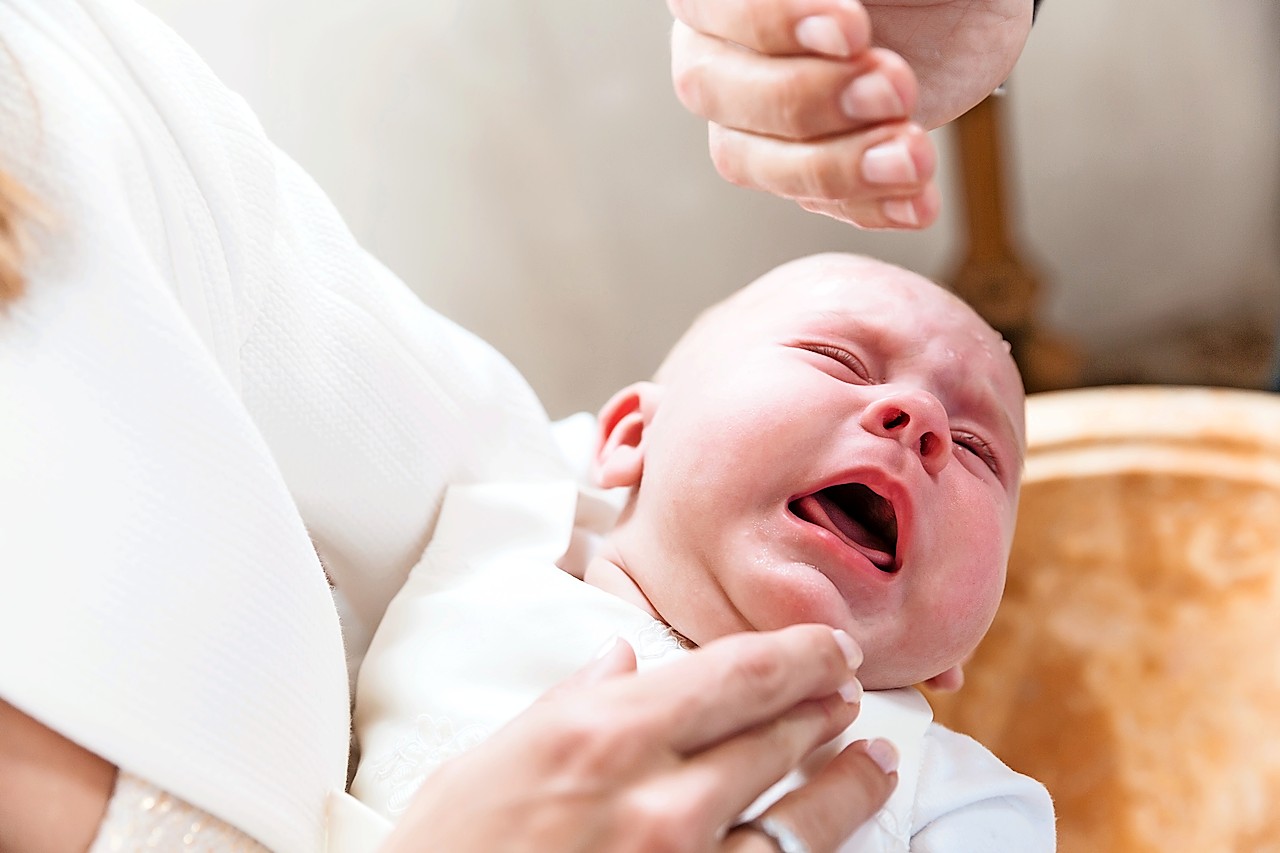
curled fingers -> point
(839, 28)
(800, 105)
(793, 97)
(738, 682)
(832, 805)
(699, 796)
(879, 179)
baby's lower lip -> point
(810, 509)
(838, 560)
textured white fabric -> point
(486, 623)
(205, 373)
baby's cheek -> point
(972, 593)
(785, 593)
(980, 596)
(973, 541)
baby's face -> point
(841, 444)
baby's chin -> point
(890, 671)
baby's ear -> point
(619, 454)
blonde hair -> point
(16, 206)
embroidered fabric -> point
(140, 817)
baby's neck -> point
(604, 572)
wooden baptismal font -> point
(1134, 665)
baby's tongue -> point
(821, 510)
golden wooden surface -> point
(1134, 666)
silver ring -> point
(782, 836)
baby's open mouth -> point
(858, 516)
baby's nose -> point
(916, 419)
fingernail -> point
(608, 646)
(889, 163)
(822, 34)
(851, 691)
(852, 652)
(900, 210)
(871, 97)
(883, 753)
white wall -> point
(524, 166)
(1149, 159)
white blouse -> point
(206, 376)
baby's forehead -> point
(862, 300)
(862, 292)
(854, 296)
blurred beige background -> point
(526, 169)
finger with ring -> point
(782, 836)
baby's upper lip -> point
(864, 518)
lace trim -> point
(141, 817)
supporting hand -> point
(663, 760)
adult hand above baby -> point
(826, 101)
(664, 760)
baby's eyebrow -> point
(853, 328)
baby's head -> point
(839, 442)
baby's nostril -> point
(897, 418)
(928, 442)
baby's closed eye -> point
(979, 447)
(843, 357)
